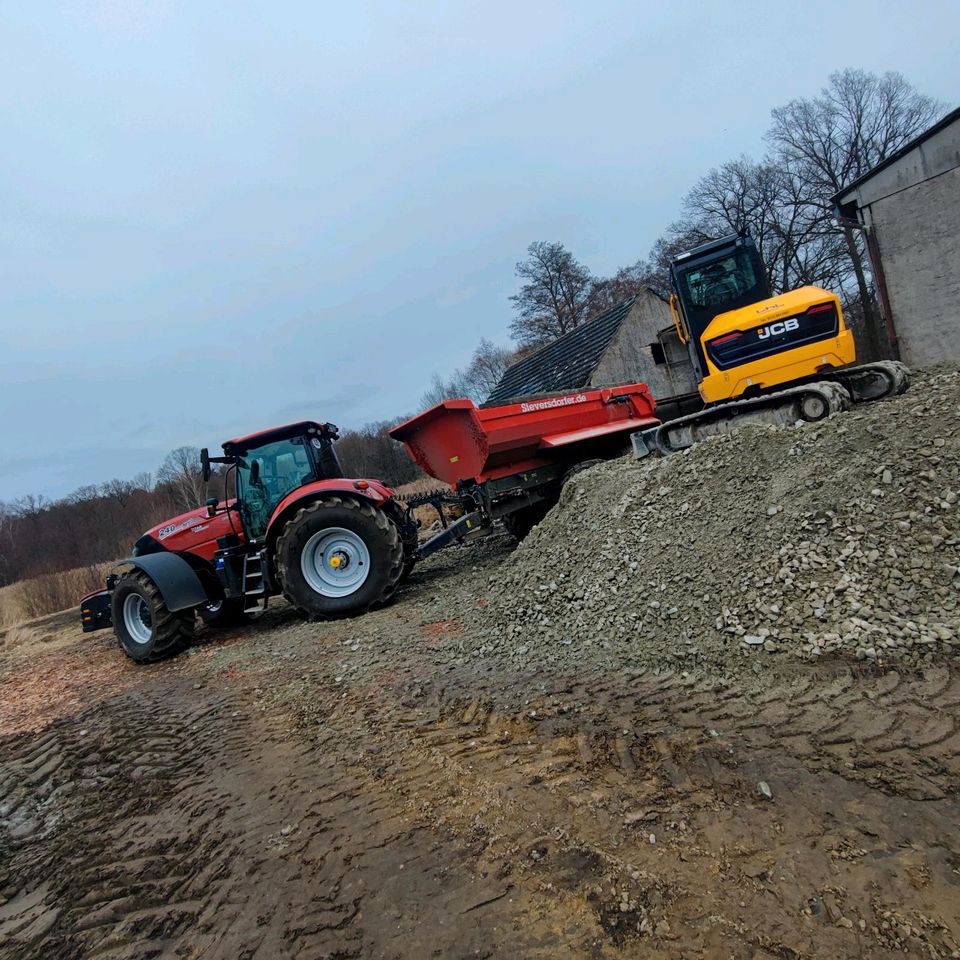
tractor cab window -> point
(265, 475)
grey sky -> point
(221, 215)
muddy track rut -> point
(261, 800)
(177, 823)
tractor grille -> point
(742, 346)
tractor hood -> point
(191, 532)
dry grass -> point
(29, 599)
(423, 485)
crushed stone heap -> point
(754, 550)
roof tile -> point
(565, 364)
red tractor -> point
(332, 546)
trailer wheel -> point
(337, 557)
(571, 472)
(145, 627)
(522, 521)
(224, 613)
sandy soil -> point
(363, 789)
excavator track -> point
(874, 381)
(835, 392)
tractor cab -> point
(272, 463)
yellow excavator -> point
(757, 357)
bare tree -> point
(118, 490)
(30, 505)
(858, 120)
(555, 297)
(680, 237)
(768, 202)
(441, 389)
(82, 494)
(180, 470)
(606, 292)
(487, 365)
(6, 542)
(143, 481)
(372, 452)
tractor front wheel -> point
(145, 627)
(339, 556)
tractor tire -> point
(408, 565)
(145, 628)
(224, 613)
(522, 521)
(338, 557)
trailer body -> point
(456, 441)
(509, 461)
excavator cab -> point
(712, 279)
(742, 340)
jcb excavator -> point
(760, 358)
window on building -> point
(656, 351)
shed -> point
(634, 341)
(909, 209)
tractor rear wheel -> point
(145, 627)
(339, 556)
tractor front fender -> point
(176, 580)
(372, 491)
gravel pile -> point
(753, 550)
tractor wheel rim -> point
(214, 608)
(335, 562)
(136, 618)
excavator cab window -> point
(723, 284)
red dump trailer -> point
(509, 462)
(335, 546)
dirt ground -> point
(361, 789)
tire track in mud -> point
(108, 819)
(173, 822)
(504, 815)
(588, 772)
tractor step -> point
(254, 587)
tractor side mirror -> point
(205, 464)
(212, 505)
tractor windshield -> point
(265, 475)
